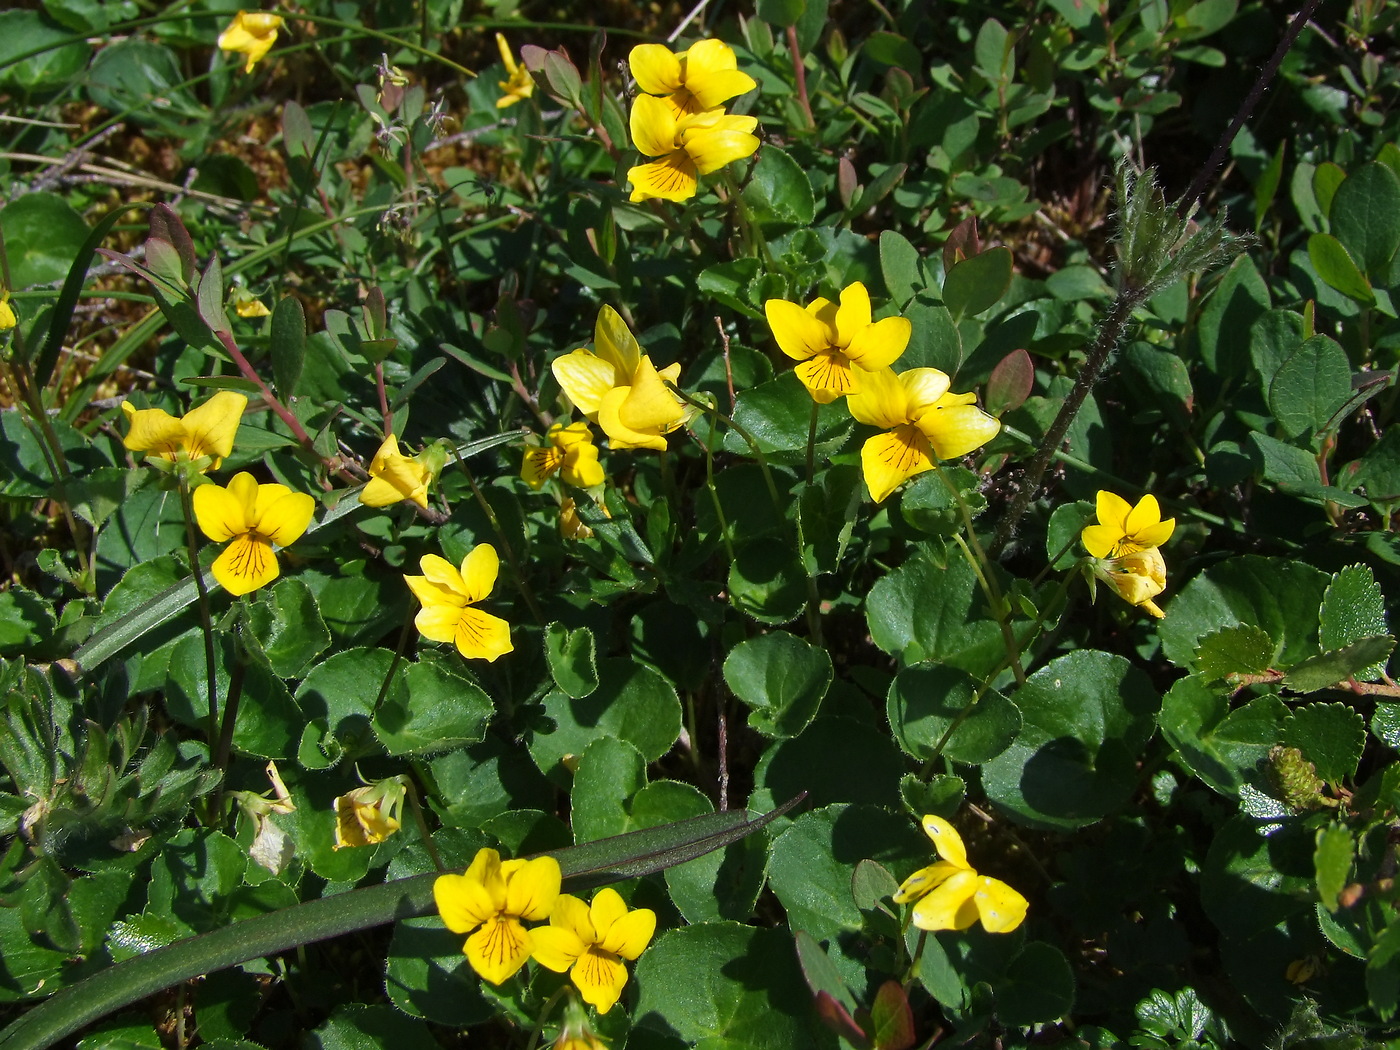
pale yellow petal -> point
(585, 378)
(891, 458)
(246, 564)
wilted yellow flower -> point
(1137, 578)
(571, 526)
(495, 895)
(618, 387)
(570, 452)
(518, 85)
(590, 941)
(252, 518)
(394, 477)
(251, 34)
(837, 345)
(700, 78)
(1123, 529)
(923, 423)
(951, 895)
(368, 815)
(202, 437)
(270, 848)
(686, 147)
(7, 312)
(449, 598)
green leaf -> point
(976, 284)
(926, 703)
(899, 264)
(436, 709)
(1311, 386)
(571, 658)
(1383, 972)
(812, 876)
(935, 341)
(1237, 302)
(1087, 716)
(1353, 609)
(58, 60)
(609, 773)
(1233, 651)
(1335, 266)
(632, 703)
(1280, 596)
(424, 975)
(1332, 861)
(356, 1026)
(780, 13)
(287, 626)
(1273, 338)
(1037, 987)
(859, 763)
(1385, 723)
(128, 74)
(925, 613)
(892, 1018)
(1336, 666)
(778, 415)
(778, 190)
(1331, 737)
(929, 505)
(1365, 216)
(768, 581)
(942, 794)
(43, 234)
(781, 678)
(731, 283)
(287, 345)
(835, 1004)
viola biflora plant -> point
(526, 533)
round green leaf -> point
(343, 690)
(778, 190)
(1087, 716)
(975, 284)
(778, 416)
(571, 659)
(1223, 747)
(1331, 737)
(923, 612)
(925, 702)
(768, 581)
(1311, 385)
(631, 703)
(1336, 266)
(1365, 216)
(858, 763)
(814, 861)
(781, 678)
(42, 235)
(1038, 986)
(437, 709)
(131, 73)
(726, 987)
(55, 64)
(609, 773)
(427, 975)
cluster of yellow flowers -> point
(495, 898)
(1125, 546)
(680, 121)
(844, 353)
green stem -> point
(206, 621)
(812, 439)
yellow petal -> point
(581, 467)
(499, 949)
(572, 914)
(925, 388)
(946, 840)
(607, 908)
(153, 430)
(211, 428)
(532, 887)
(246, 564)
(954, 432)
(798, 333)
(653, 126)
(614, 342)
(7, 313)
(891, 458)
(360, 824)
(585, 378)
(537, 465)
(950, 906)
(882, 400)
(630, 934)
(711, 149)
(711, 73)
(599, 977)
(853, 315)
(479, 635)
(485, 868)
(285, 519)
(1001, 908)
(462, 901)
(507, 59)
(220, 514)
(394, 477)
(443, 574)
(880, 344)
(1113, 510)
(650, 405)
(655, 68)
(672, 178)
(438, 623)
(431, 593)
(827, 376)
(1100, 540)
(556, 948)
(925, 880)
(479, 570)
(1144, 515)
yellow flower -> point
(580, 1041)
(394, 477)
(694, 80)
(571, 452)
(617, 387)
(202, 437)
(952, 896)
(571, 526)
(495, 895)
(1137, 577)
(449, 596)
(923, 423)
(252, 35)
(591, 941)
(518, 85)
(7, 312)
(686, 147)
(368, 815)
(253, 517)
(251, 308)
(837, 345)
(1122, 529)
